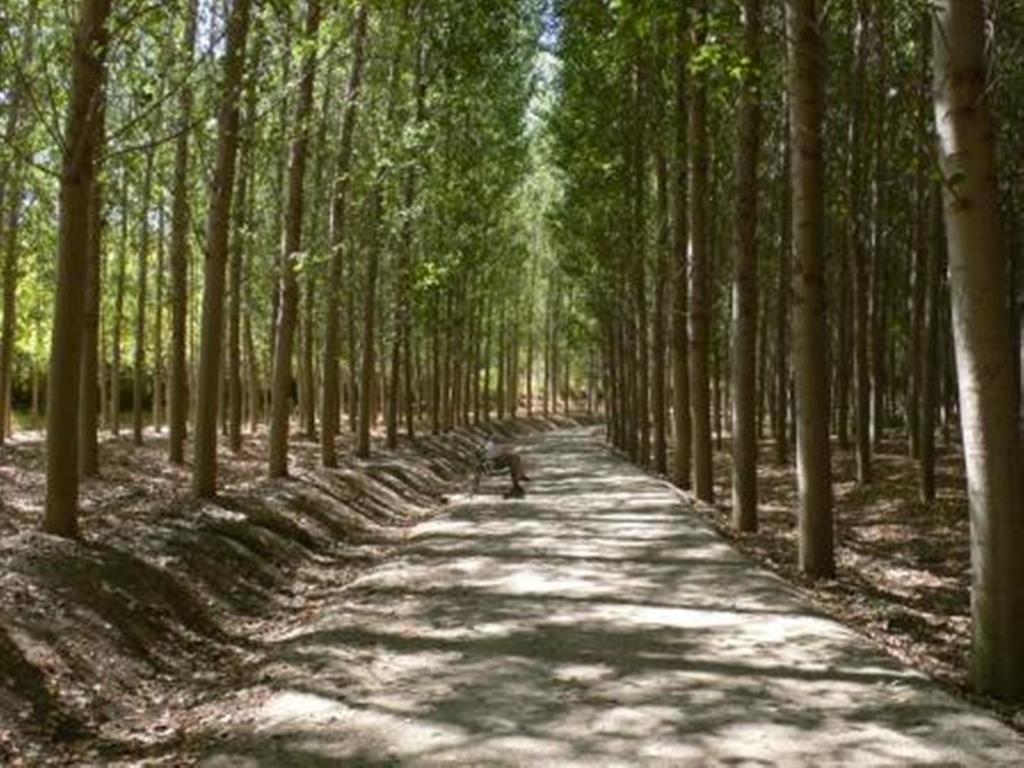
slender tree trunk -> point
(530, 340)
(477, 353)
(660, 298)
(116, 331)
(783, 302)
(614, 424)
(858, 255)
(984, 358)
(628, 431)
(142, 280)
(251, 361)
(36, 386)
(158, 322)
(90, 393)
(289, 291)
(744, 303)
(369, 326)
(239, 245)
(845, 343)
(307, 368)
(195, 302)
(403, 310)
(280, 194)
(763, 386)
(76, 189)
(218, 226)
(810, 327)
(11, 183)
(307, 374)
(222, 385)
(435, 369)
(660, 290)
(546, 405)
(567, 390)
(411, 389)
(446, 366)
(513, 369)
(700, 299)
(102, 363)
(502, 358)
(331, 416)
(928, 362)
(879, 280)
(639, 272)
(10, 294)
(921, 258)
(717, 364)
(177, 401)
(488, 332)
(681, 464)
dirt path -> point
(598, 622)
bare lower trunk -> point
(10, 294)
(680, 268)
(252, 370)
(660, 289)
(810, 327)
(984, 359)
(89, 390)
(394, 388)
(639, 246)
(331, 416)
(239, 245)
(142, 281)
(921, 258)
(744, 303)
(309, 344)
(486, 394)
(158, 324)
(879, 264)
(928, 362)
(280, 402)
(782, 307)
(859, 259)
(700, 299)
(218, 226)
(11, 182)
(118, 320)
(76, 188)
(435, 372)
(177, 405)
(366, 411)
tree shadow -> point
(596, 622)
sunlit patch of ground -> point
(903, 566)
(596, 622)
(111, 642)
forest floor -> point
(108, 643)
(903, 567)
(159, 636)
(598, 621)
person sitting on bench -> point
(502, 457)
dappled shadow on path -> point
(595, 622)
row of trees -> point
(359, 207)
(766, 209)
(333, 203)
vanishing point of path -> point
(597, 622)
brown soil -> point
(108, 643)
